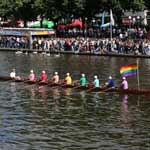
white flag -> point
(112, 21)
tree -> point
(18, 9)
(6, 8)
(138, 5)
(147, 4)
(57, 9)
(25, 11)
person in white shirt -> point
(13, 73)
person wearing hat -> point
(110, 82)
(124, 84)
(68, 79)
(83, 80)
(55, 78)
(43, 76)
(96, 81)
(32, 75)
(13, 74)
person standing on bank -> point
(124, 84)
(83, 80)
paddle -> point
(56, 84)
(49, 83)
(63, 85)
(76, 81)
(103, 91)
(77, 87)
(91, 89)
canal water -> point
(35, 118)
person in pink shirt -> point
(124, 84)
(32, 75)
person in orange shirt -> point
(55, 78)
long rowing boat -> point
(3, 78)
(88, 88)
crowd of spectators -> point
(14, 42)
(98, 32)
(93, 45)
(133, 41)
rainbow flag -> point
(129, 70)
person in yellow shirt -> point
(68, 79)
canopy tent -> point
(76, 23)
(36, 24)
(61, 26)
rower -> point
(32, 75)
(83, 80)
(110, 82)
(43, 76)
(124, 84)
(68, 79)
(55, 78)
(13, 74)
(96, 81)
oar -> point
(77, 87)
(91, 89)
(75, 81)
(57, 84)
(49, 82)
(106, 90)
(63, 85)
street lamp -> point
(134, 20)
(130, 26)
(85, 27)
(93, 22)
(0, 21)
(138, 19)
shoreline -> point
(113, 54)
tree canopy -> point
(58, 9)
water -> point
(62, 119)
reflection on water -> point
(13, 88)
(59, 118)
(67, 91)
(124, 110)
(33, 92)
(56, 97)
(125, 103)
(44, 97)
(55, 93)
(82, 94)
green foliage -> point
(138, 5)
(6, 7)
(58, 9)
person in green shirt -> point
(83, 80)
